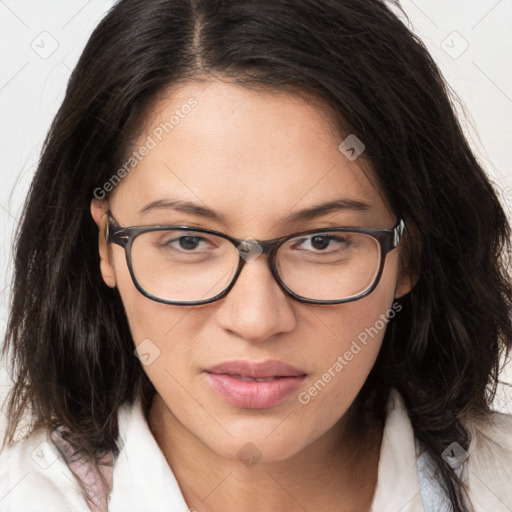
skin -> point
(254, 157)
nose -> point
(257, 308)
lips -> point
(254, 385)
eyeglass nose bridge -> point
(249, 250)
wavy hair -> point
(68, 337)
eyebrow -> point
(341, 204)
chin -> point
(257, 446)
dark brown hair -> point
(68, 336)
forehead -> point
(253, 156)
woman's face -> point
(254, 159)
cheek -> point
(347, 355)
(157, 328)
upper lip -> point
(256, 370)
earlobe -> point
(406, 283)
(98, 212)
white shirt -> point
(35, 478)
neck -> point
(337, 472)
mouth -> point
(253, 379)
(255, 385)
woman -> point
(259, 268)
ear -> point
(405, 283)
(98, 212)
(409, 267)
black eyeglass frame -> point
(387, 238)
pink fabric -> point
(87, 475)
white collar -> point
(398, 485)
(142, 479)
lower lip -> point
(254, 395)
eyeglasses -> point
(184, 265)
